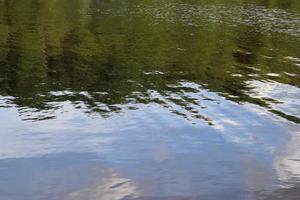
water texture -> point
(141, 100)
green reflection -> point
(118, 51)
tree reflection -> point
(106, 54)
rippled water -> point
(149, 99)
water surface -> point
(150, 99)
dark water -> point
(149, 99)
